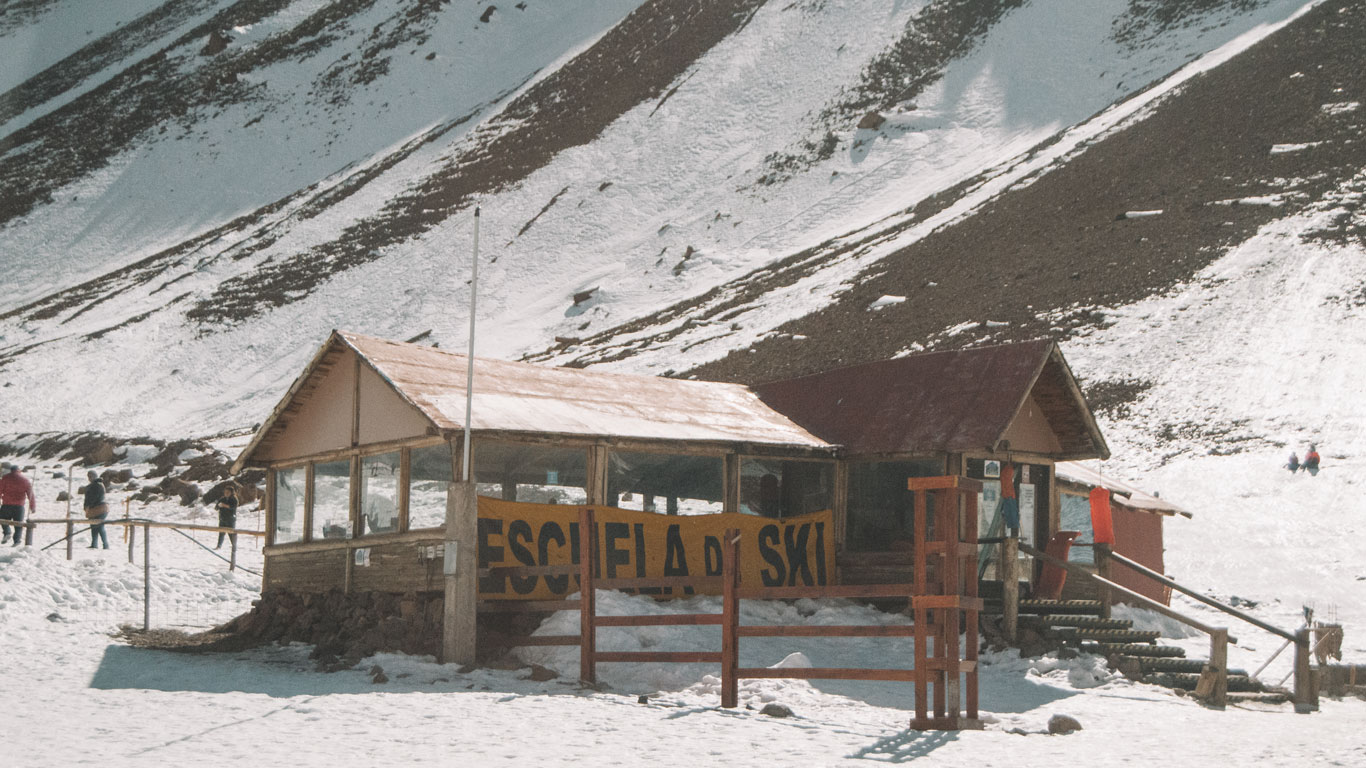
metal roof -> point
(1080, 474)
(953, 401)
(513, 397)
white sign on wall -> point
(1027, 513)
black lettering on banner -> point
(769, 538)
(711, 556)
(610, 554)
(795, 538)
(490, 555)
(551, 532)
(820, 554)
(574, 552)
(639, 530)
(519, 541)
(676, 555)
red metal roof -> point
(954, 401)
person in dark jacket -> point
(227, 514)
(96, 509)
(1294, 464)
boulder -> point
(1063, 724)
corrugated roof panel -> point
(521, 397)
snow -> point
(1258, 355)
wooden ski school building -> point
(878, 481)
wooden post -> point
(146, 577)
(949, 502)
(70, 533)
(730, 621)
(128, 531)
(232, 562)
(1306, 695)
(921, 614)
(1010, 588)
(1212, 688)
(588, 628)
(1103, 570)
(458, 621)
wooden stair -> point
(1136, 653)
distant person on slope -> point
(227, 514)
(14, 489)
(1294, 464)
(96, 510)
(1311, 461)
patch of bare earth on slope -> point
(633, 63)
(1037, 260)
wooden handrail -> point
(1143, 600)
(136, 521)
(1159, 578)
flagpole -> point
(469, 350)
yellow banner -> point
(797, 551)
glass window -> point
(881, 509)
(379, 493)
(784, 488)
(1076, 516)
(536, 473)
(289, 504)
(429, 477)
(666, 483)
(332, 500)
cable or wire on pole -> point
(469, 351)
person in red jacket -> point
(14, 489)
(1311, 461)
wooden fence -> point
(943, 678)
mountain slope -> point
(236, 178)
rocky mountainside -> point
(193, 192)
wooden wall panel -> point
(315, 570)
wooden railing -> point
(941, 678)
(1213, 684)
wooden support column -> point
(1306, 693)
(1010, 588)
(1103, 570)
(458, 621)
(922, 615)
(730, 620)
(588, 607)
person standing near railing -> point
(14, 490)
(96, 509)
(227, 514)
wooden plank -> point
(920, 612)
(696, 582)
(838, 630)
(526, 641)
(661, 620)
(943, 482)
(845, 590)
(661, 657)
(530, 606)
(828, 673)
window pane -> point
(379, 493)
(429, 477)
(289, 504)
(332, 500)
(880, 506)
(778, 488)
(666, 483)
(535, 473)
(1076, 516)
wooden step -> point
(1151, 665)
(1110, 635)
(1068, 607)
(1089, 622)
(1132, 649)
(1188, 681)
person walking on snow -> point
(227, 514)
(14, 490)
(1311, 461)
(96, 510)
(1294, 464)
